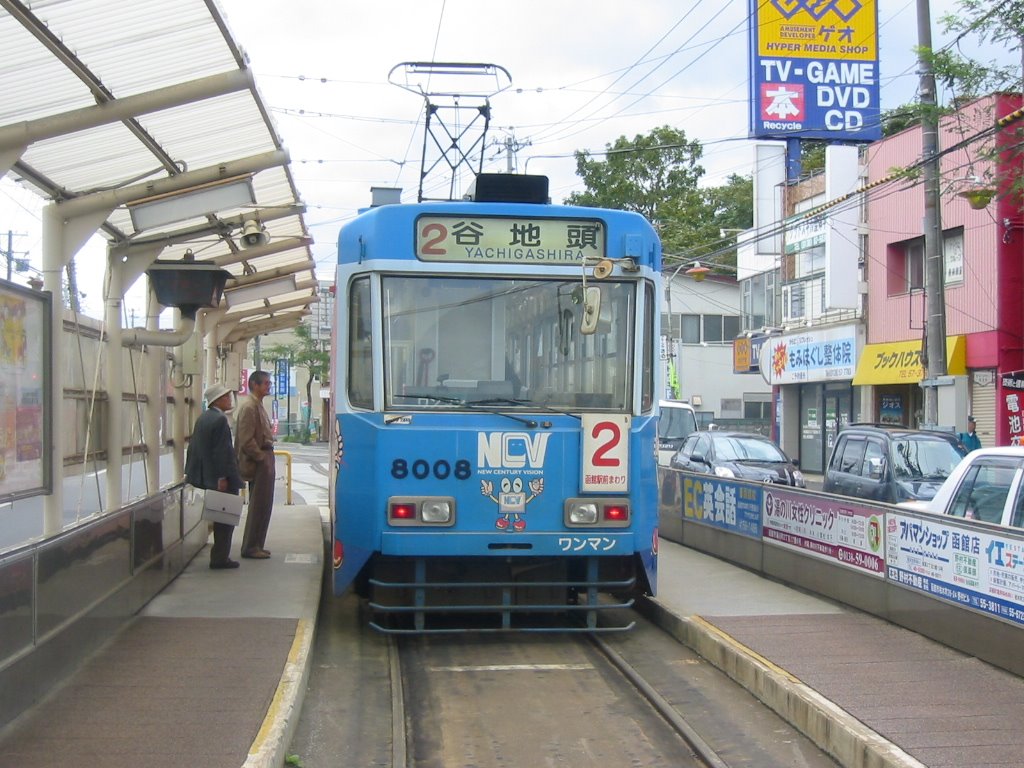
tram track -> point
(626, 710)
(633, 698)
(661, 705)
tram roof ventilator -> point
(509, 188)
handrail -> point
(288, 481)
(288, 478)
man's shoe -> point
(256, 554)
(224, 565)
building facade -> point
(983, 274)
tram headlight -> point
(436, 511)
(582, 513)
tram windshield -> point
(452, 341)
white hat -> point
(214, 392)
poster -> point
(24, 376)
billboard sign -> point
(814, 70)
(827, 354)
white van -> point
(676, 422)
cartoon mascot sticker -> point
(512, 500)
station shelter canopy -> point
(114, 105)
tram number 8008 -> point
(421, 469)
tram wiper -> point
(527, 403)
(476, 406)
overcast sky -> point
(582, 75)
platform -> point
(213, 671)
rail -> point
(288, 475)
(288, 478)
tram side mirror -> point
(591, 311)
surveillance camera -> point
(253, 233)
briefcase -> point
(221, 507)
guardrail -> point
(64, 596)
(956, 581)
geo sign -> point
(814, 70)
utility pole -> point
(935, 290)
(9, 253)
(511, 146)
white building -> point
(701, 320)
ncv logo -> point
(511, 450)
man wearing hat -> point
(970, 438)
(212, 464)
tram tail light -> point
(618, 513)
(403, 511)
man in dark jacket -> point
(212, 465)
(970, 438)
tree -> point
(657, 176)
(705, 230)
(995, 25)
(304, 352)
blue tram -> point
(494, 380)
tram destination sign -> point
(814, 70)
(507, 240)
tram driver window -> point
(360, 362)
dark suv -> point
(879, 462)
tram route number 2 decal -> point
(605, 452)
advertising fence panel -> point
(967, 563)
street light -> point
(698, 271)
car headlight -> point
(724, 472)
(798, 478)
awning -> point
(899, 362)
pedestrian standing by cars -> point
(970, 438)
(254, 444)
(211, 464)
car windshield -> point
(747, 449)
(676, 423)
(921, 457)
(452, 341)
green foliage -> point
(657, 176)
(994, 24)
(647, 174)
(901, 118)
(304, 352)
